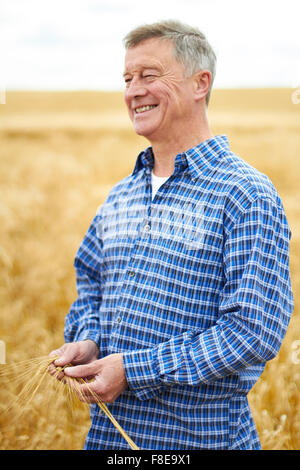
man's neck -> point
(165, 152)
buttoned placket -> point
(145, 229)
(130, 271)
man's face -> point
(158, 95)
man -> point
(183, 276)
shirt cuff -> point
(141, 374)
(88, 334)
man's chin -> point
(142, 131)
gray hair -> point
(191, 47)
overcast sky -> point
(77, 44)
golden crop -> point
(60, 153)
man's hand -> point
(80, 352)
(107, 375)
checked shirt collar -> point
(195, 161)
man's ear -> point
(202, 82)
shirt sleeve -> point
(82, 321)
(255, 306)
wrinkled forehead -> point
(152, 53)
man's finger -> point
(55, 353)
(86, 370)
(56, 372)
(61, 361)
(66, 357)
(51, 369)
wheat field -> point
(60, 154)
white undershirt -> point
(157, 181)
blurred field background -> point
(60, 153)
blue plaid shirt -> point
(193, 287)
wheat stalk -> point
(34, 372)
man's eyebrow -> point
(142, 67)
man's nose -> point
(135, 89)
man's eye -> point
(149, 76)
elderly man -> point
(183, 276)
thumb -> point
(85, 370)
(62, 360)
(65, 358)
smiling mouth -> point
(143, 109)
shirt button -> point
(131, 273)
(147, 228)
(119, 319)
